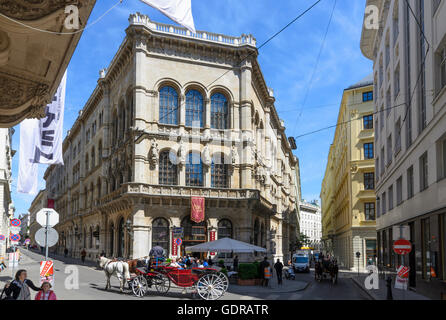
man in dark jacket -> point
(19, 288)
(279, 269)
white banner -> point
(179, 11)
(41, 141)
(28, 170)
(48, 150)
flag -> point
(197, 209)
(28, 170)
(41, 141)
(179, 11)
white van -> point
(301, 262)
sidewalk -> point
(288, 286)
(381, 293)
(66, 260)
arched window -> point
(129, 174)
(194, 233)
(123, 123)
(194, 108)
(224, 229)
(99, 186)
(219, 111)
(100, 152)
(262, 235)
(96, 236)
(160, 234)
(168, 106)
(87, 163)
(167, 170)
(93, 158)
(112, 240)
(90, 244)
(194, 170)
(219, 173)
(115, 127)
(256, 232)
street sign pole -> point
(46, 236)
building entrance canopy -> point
(226, 245)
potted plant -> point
(247, 274)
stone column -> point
(140, 232)
(103, 233)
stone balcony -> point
(166, 29)
(140, 189)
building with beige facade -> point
(176, 115)
(6, 204)
(409, 55)
(347, 193)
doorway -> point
(194, 233)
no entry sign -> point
(402, 246)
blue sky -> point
(287, 63)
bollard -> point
(389, 288)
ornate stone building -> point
(32, 62)
(176, 115)
(6, 205)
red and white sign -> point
(16, 223)
(47, 272)
(402, 246)
(403, 272)
(174, 247)
(197, 209)
(212, 238)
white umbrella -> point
(225, 245)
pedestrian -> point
(83, 255)
(46, 293)
(19, 288)
(194, 263)
(279, 269)
(205, 264)
(210, 263)
(188, 262)
(65, 252)
(235, 263)
(264, 271)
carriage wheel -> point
(211, 286)
(161, 282)
(139, 286)
(224, 279)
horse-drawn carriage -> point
(209, 283)
(326, 268)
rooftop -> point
(367, 81)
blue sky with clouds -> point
(287, 63)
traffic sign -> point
(53, 237)
(2, 237)
(16, 222)
(402, 246)
(403, 272)
(47, 272)
(49, 215)
(178, 241)
(14, 237)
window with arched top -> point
(160, 234)
(219, 173)
(194, 108)
(194, 170)
(225, 229)
(168, 172)
(256, 232)
(219, 111)
(168, 106)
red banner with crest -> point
(197, 209)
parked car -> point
(301, 262)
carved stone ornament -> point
(234, 155)
(154, 153)
(206, 156)
(33, 9)
(182, 153)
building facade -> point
(348, 188)
(311, 222)
(39, 202)
(33, 57)
(176, 115)
(409, 55)
(6, 205)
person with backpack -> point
(19, 288)
(46, 293)
(264, 271)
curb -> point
(363, 289)
(287, 291)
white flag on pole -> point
(28, 170)
(179, 11)
(41, 141)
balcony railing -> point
(141, 19)
(180, 191)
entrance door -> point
(194, 233)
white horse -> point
(118, 268)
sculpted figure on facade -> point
(206, 156)
(234, 155)
(182, 153)
(154, 153)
